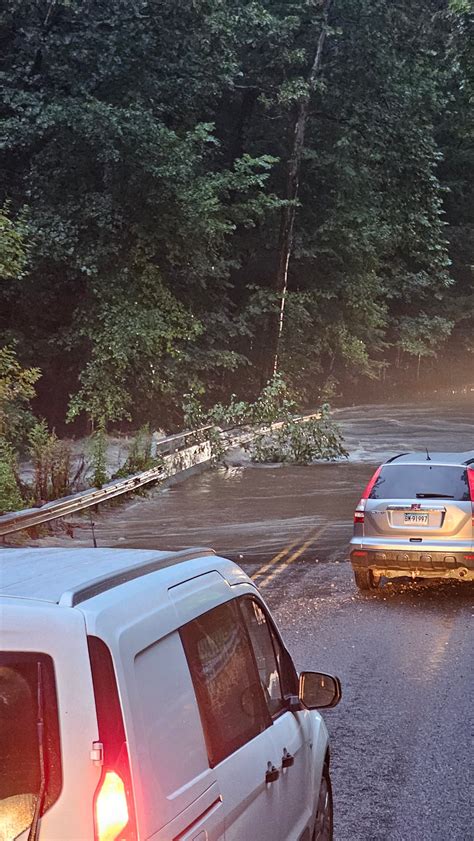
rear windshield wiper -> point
(434, 496)
(34, 828)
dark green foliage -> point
(272, 404)
(145, 150)
(98, 452)
(52, 463)
(140, 456)
(17, 389)
(301, 443)
(10, 496)
(14, 246)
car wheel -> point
(323, 829)
(365, 579)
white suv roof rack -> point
(71, 576)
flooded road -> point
(401, 755)
(251, 513)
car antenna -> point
(94, 541)
(428, 457)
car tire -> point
(323, 828)
(365, 580)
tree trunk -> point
(285, 243)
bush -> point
(300, 443)
(99, 456)
(10, 496)
(140, 456)
(52, 463)
(273, 403)
(16, 391)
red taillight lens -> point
(114, 815)
(359, 515)
(470, 479)
(111, 808)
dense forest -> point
(195, 193)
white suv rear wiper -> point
(34, 828)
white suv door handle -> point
(272, 773)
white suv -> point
(148, 695)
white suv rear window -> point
(27, 695)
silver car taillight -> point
(470, 479)
(359, 513)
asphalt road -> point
(402, 735)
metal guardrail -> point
(171, 448)
(179, 441)
(31, 517)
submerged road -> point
(402, 735)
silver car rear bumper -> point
(416, 562)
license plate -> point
(416, 519)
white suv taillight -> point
(114, 814)
(359, 513)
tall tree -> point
(288, 212)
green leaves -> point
(301, 442)
(422, 334)
(14, 245)
(139, 327)
(17, 388)
(145, 150)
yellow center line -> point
(281, 568)
(282, 554)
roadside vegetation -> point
(194, 196)
(274, 432)
(268, 428)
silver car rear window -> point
(22, 703)
(418, 481)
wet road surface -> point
(401, 738)
(402, 735)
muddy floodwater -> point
(251, 512)
(400, 752)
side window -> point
(170, 719)
(288, 676)
(276, 671)
(225, 679)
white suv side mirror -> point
(319, 691)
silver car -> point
(416, 518)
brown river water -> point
(251, 512)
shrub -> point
(52, 463)
(99, 456)
(10, 496)
(140, 455)
(300, 443)
(16, 391)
